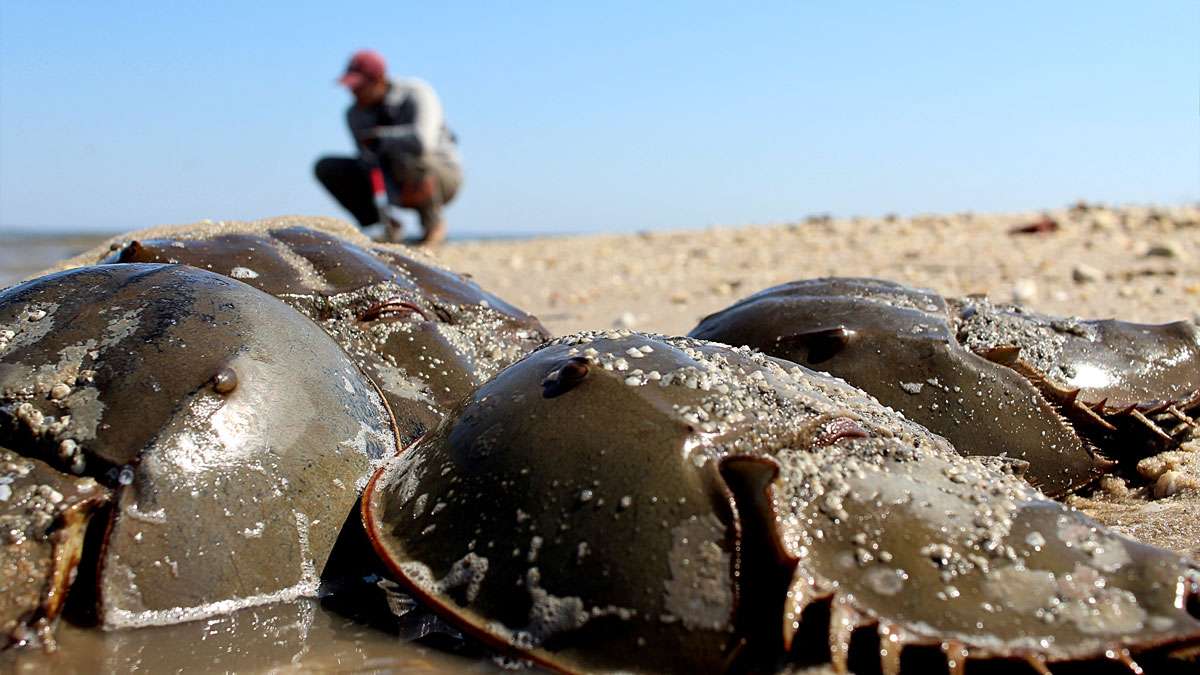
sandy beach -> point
(1135, 263)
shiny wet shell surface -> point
(424, 334)
(234, 433)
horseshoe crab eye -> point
(565, 378)
(225, 381)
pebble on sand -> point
(1085, 274)
(1024, 291)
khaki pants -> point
(407, 172)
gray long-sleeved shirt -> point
(408, 121)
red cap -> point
(366, 66)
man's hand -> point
(368, 140)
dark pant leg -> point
(349, 181)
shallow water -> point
(25, 255)
(288, 637)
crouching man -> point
(407, 157)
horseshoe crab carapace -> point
(233, 434)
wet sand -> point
(22, 255)
(1135, 263)
(298, 636)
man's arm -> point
(361, 131)
(421, 135)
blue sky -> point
(601, 116)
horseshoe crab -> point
(233, 435)
(425, 334)
(993, 379)
(1120, 382)
(623, 501)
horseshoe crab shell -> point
(630, 502)
(899, 344)
(426, 335)
(233, 433)
(1117, 379)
